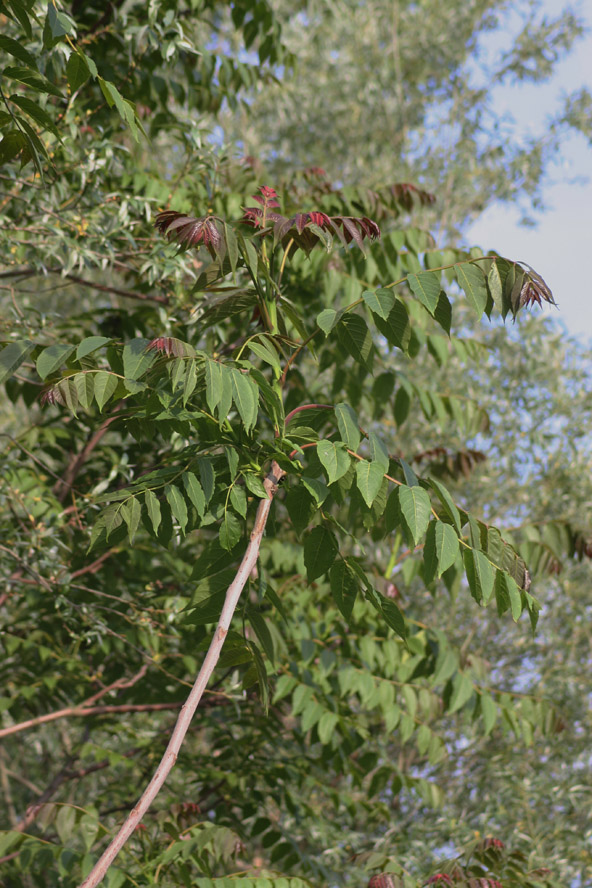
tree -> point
(400, 91)
(131, 492)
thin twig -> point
(66, 482)
(85, 708)
(169, 758)
(128, 294)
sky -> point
(558, 248)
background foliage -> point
(368, 715)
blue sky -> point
(560, 245)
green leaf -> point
(38, 114)
(105, 385)
(238, 499)
(207, 476)
(153, 509)
(10, 146)
(334, 458)
(448, 503)
(77, 71)
(176, 501)
(441, 547)
(32, 79)
(12, 356)
(261, 672)
(494, 282)
(480, 575)
(301, 508)
(59, 22)
(344, 587)
(380, 301)
(89, 345)
(378, 451)
(318, 489)
(393, 617)
(443, 312)
(52, 358)
(472, 281)
(255, 485)
(488, 711)
(267, 353)
(214, 383)
(262, 632)
(232, 460)
(245, 395)
(16, 49)
(462, 691)
(65, 823)
(326, 320)
(402, 405)
(230, 530)
(85, 388)
(411, 478)
(326, 727)
(354, 335)
(369, 476)
(195, 493)
(396, 329)
(190, 380)
(131, 512)
(514, 596)
(425, 286)
(18, 10)
(415, 507)
(136, 359)
(347, 423)
(320, 550)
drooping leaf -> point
(176, 501)
(153, 509)
(230, 530)
(77, 70)
(89, 345)
(301, 508)
(396, 328)
(245, 395)
(131, 512)
(472, 280)
(335, 459)
(441, 548)
(344, 587)
(462, 691)
(354, 335)
(393, 616)
(415, 506)
(480, 575)
(327, 319)
(105, 385)
(448, 503)
(137, 358)
(380, 302)
(320, 550)
(12, 356)
(347, 423)
(195, 493)
(52, 358)
(425, 286)
(369, 477)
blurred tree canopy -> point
(381, 709)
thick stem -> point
(170, 756)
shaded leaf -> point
(320, 550)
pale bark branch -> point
(169, 758)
